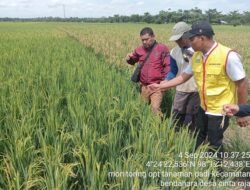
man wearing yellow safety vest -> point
(220, 78)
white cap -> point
(178, 30)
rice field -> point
(71, 119)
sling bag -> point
(136, 75)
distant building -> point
(222, 22)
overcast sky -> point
(99, 8)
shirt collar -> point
(206, 54)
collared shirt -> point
(234, 66)
(157, 65)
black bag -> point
(136, 75)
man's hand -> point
(154, 87)
(163, 86)
(243, 121)
(230, 109)
(129, 55)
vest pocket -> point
(215, 78)
(215, 91)
(214, 71)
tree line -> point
(169, 16)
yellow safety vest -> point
(214, 86)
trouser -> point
(154, 98)
(182, 120)
(185, 108)
(208, 126)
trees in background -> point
(164, 16)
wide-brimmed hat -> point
(178, 30)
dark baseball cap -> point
(199, 28)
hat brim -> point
(175, 37)
(188, 35)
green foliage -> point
(191, 15)
(240, 146)
(69, 117)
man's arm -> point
(242, 91)
(236, 72)
(244, 110)
(165, 58)
(164, 85)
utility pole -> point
(64, 10)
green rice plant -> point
(71, 119)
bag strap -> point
(146, 58)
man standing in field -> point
(187, 100)
(155, 68)
(221, 80)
